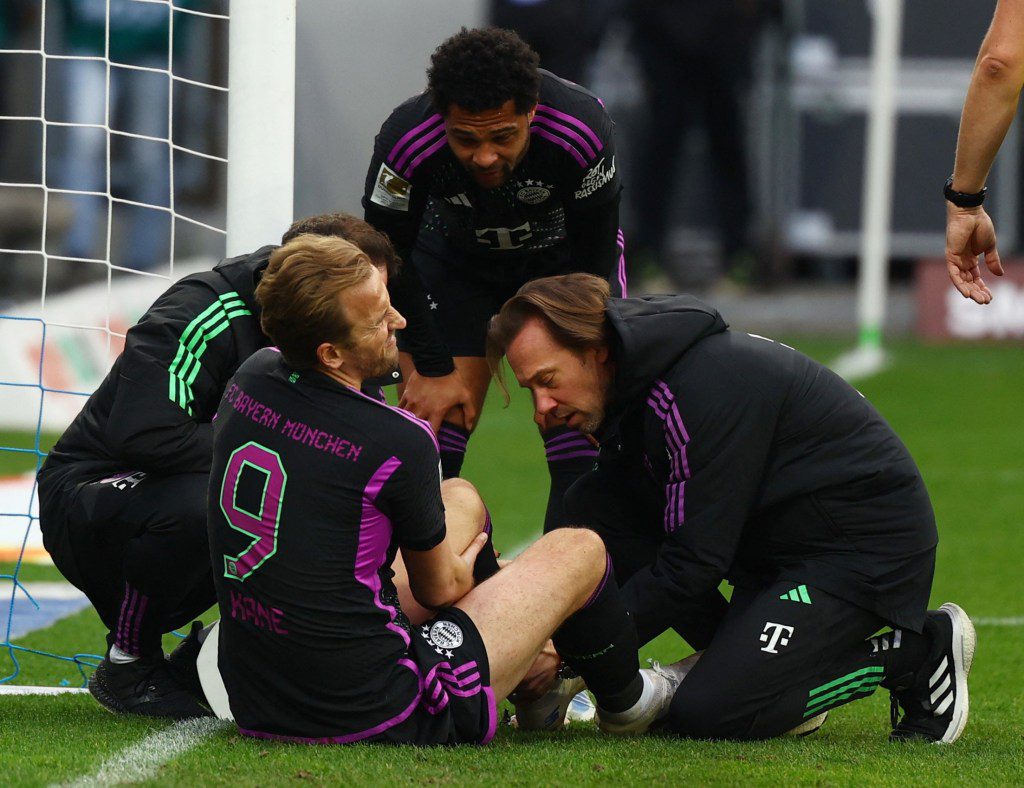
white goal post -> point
(869, 357)
(261, 122)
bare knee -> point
(461, 496)
(581, 556)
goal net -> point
(127, 128)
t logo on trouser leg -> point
(780, 635)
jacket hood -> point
(243, 274)
(651, 333)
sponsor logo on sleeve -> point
(596, 178)
(391, 190)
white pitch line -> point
(990, 621)
(44, 590)
(142, 760)
(6, 689)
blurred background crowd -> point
(741, 127)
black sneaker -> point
(145, 686)
(182, 662)
(935, 705)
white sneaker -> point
(660, 684)
(581, 709)
(548, 713)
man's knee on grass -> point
(703, 712)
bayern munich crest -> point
(533, 192)
(443, 635)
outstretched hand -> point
(969, 233)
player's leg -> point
(145, 100)
(465, 515)
(789, 652)
(561, 587)
(605, 499)
(461, 305)
(670, 108)
(453, 435)
(149, 536)
(569, 454)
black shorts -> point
(464, 291)
(457, 705)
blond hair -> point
(299, 294)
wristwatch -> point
(963, 199)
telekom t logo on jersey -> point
(505, 237)
(775, 635)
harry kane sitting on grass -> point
(316, 488)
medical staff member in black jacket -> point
(123, 493)
(727, 456)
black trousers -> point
(782, 654)
(144, 531)
(774, 656)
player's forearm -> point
(446, 588)
(988, 112)
(992, 97)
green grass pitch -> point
(956, 407)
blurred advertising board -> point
(55, 353)
(942, 313)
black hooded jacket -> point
(762, 464)
(153, 410)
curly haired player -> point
(498, 173)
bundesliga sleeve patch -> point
(391, 190)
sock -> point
(453, 440)
(138, 631)
(119, 657)
(599, 642)
(902, 653)
(486, 563)
(570, 455)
